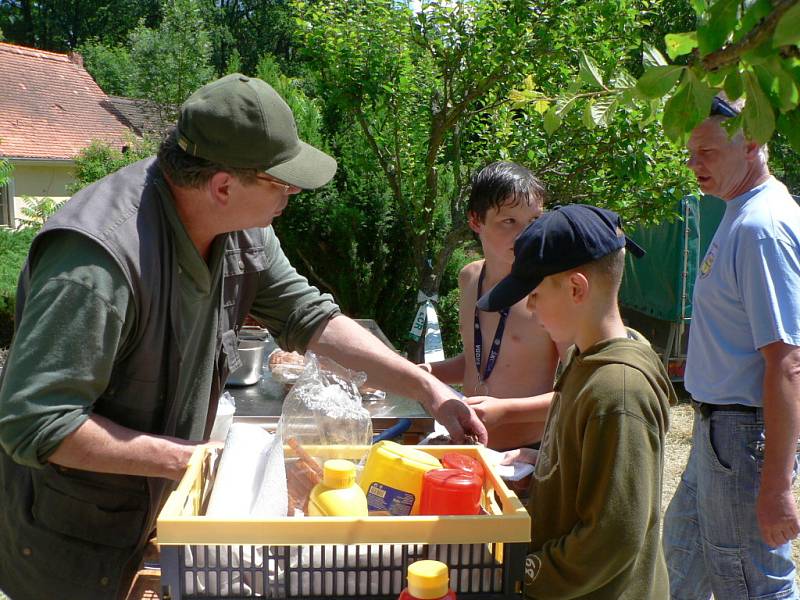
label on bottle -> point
(384, 499)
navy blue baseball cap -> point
(561, 239)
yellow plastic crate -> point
(485, 552)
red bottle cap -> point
(456, 460)
(450, 492)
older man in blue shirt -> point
(728, 527)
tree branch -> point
(392, 177)
(731, 54)
(455, 238)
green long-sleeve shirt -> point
(596, 497)
(79, 317)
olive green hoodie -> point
(596, 498)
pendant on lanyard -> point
(494, 351)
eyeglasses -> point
(286, 186)
(721, 108)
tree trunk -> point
(430, 281)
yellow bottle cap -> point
(338, 473)
(428, 579)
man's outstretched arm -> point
(352, 346)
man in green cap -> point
(128, 312)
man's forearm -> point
(352, 346)
(781, 419)
(104, 446)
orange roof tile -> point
(50, 107)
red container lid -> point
(456, 460)
(450, 492)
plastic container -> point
(428, 580)
(456, 460)
(392, 478)
(451, 492)
(339, 558)
(338, 495)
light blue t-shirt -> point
(747, 295)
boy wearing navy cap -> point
(596, 496)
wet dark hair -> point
(185, 170)
(502, 183)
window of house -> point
(7, 205)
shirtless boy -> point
(517, 357)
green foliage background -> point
(412, 103)
(14, 246)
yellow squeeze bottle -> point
(338, 495)
(392, 478)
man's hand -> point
(777, 516)
(460, 420)
(491, 411)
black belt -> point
(706, 409)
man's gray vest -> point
(73, 534)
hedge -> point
(14, 246)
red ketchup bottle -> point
(450, 492)
(428, 580)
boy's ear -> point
(579, 287)
(474, 222)
(219, 186)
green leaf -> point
(529, 84)
(551, 121)
(587, 119)
(789, 125)
(758, 115)
(574, 86)
(679, 44)
(787, 32)
(652, 57)
(589, 71)
(623, 80)
(753, 16)
(719, 24)
(603, 110)
(699, 6)
(541, 106)
(759, 54)
(564, 105)
(777, 83)
(734, 87)
(688, 107)
(657, 81)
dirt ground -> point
(679, 440)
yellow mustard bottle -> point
(392, 478)
(338, 495)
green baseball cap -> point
(242, 122)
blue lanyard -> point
(498, 336)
